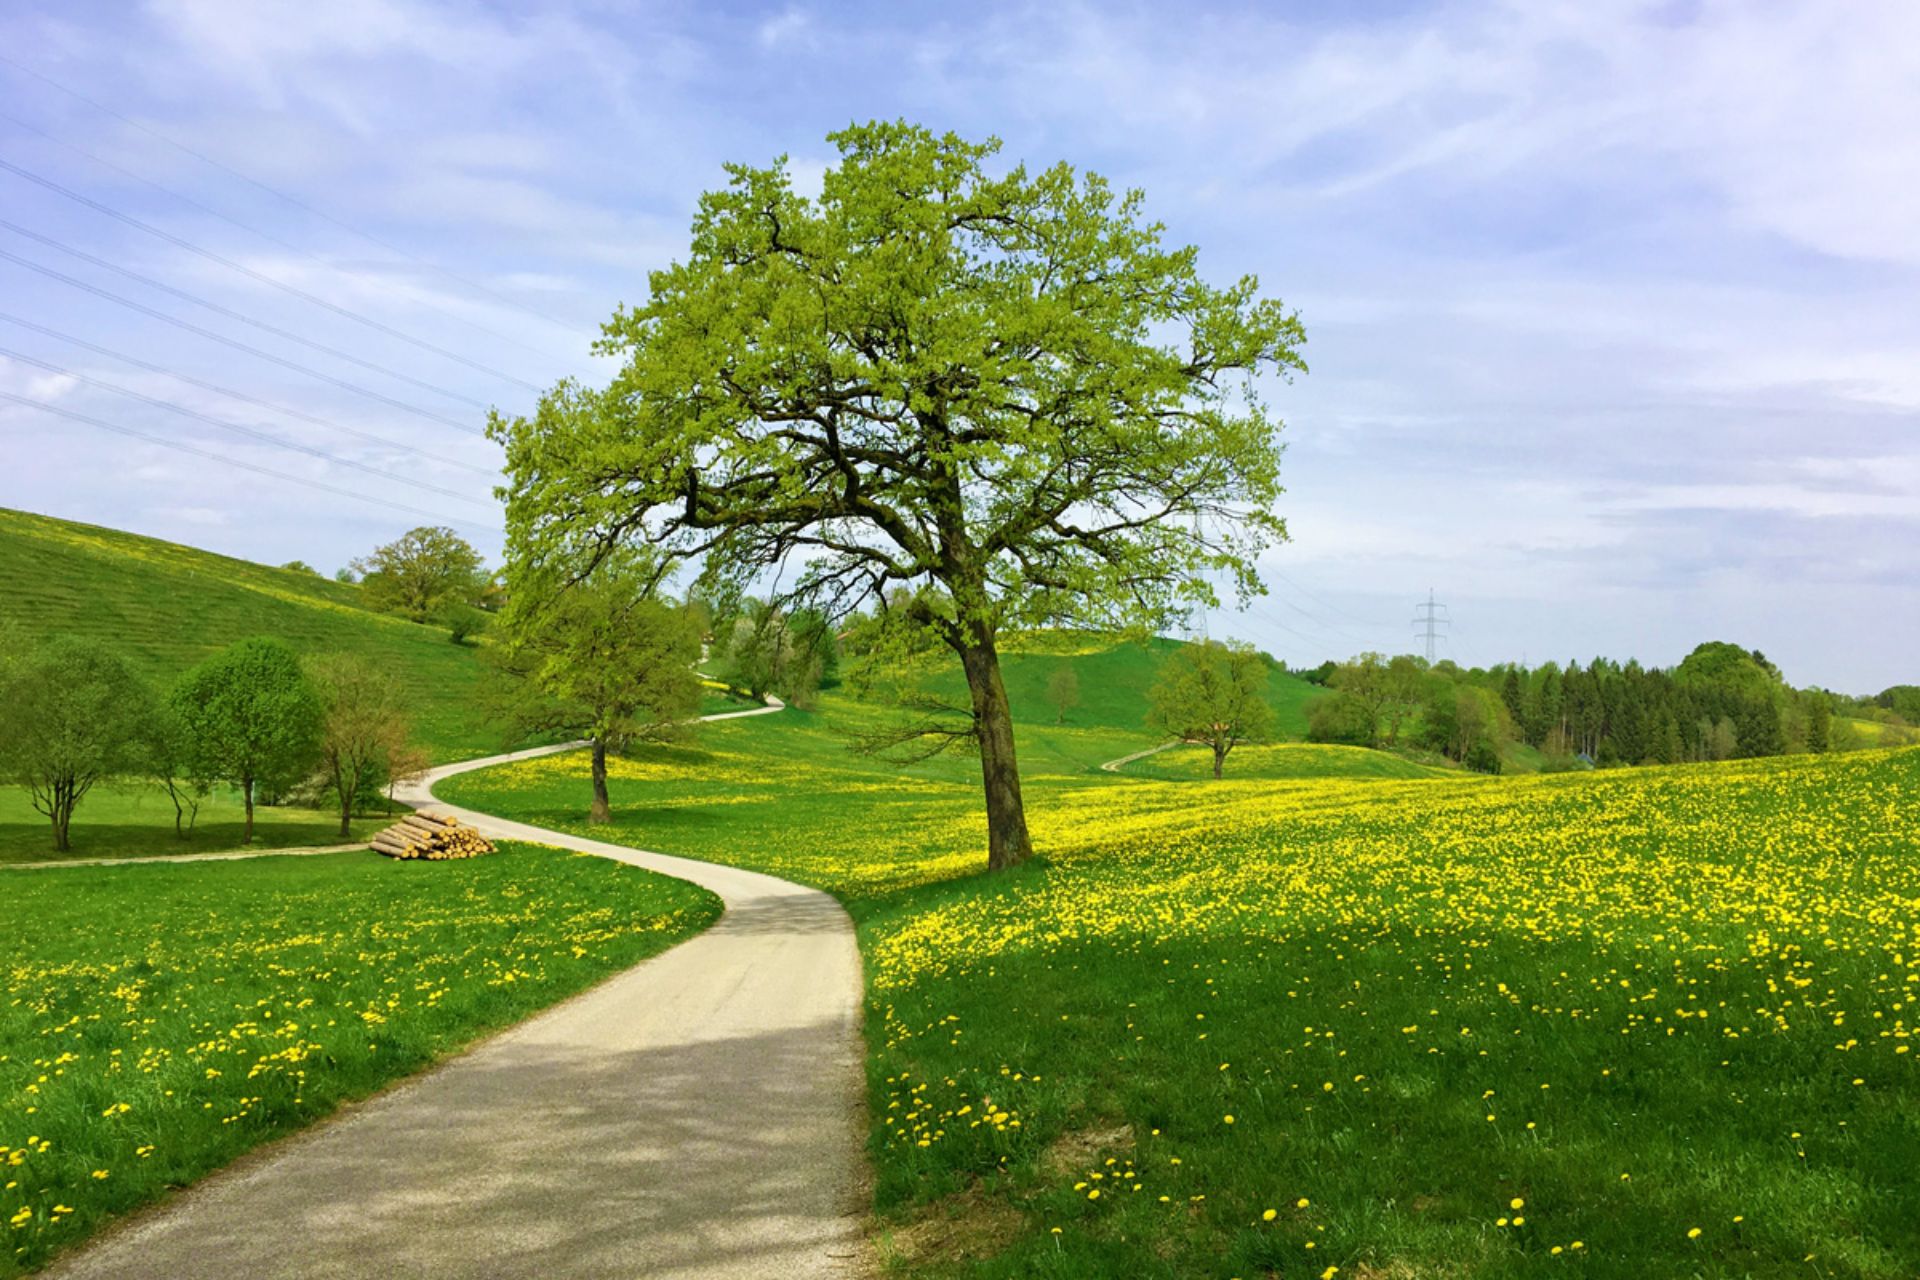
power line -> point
(261, 276)
(1430, 618)
(1330, 606)
(208, 454)
(295, 201)
(237, 345)
(242, 317)
(268, 236)
(244, 398)
(262, 436)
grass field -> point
(161, 1020)
(1631, 1024)
(1281, 761)
(164, 607)
(132, 821)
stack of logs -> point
(422, 835)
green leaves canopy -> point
(1005, 390)
(250, 716)
(71, 714)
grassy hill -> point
(165, 606)
(1114, 678)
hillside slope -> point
(1114, 676)
(165, 606)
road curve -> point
(697, 1116)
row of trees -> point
(1720, 702)
(74, 715)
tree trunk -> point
(1008, 844)
(61, 811)
(246, 789)
(1219, 758)
(602, 811)
(346, 787)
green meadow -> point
(158, 1021)
(1375, 1019)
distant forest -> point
(1719, 703)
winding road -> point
(697, 1116)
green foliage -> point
(1728, 666)
(463, 621)
(1214, 693)
(1339, 717)
(251, 717)
(164, 607)
(1464, 724)
(1383, 690)
(766, 649)
(363, 730)
(422, 572)
(927, 353)
(71, 715)
(1903, 700)
(1819, 724)
(1002, 392)
(601, 657)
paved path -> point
(696, 1116)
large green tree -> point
(71, 715)
(423, 573)
(251, 718)
(1000, 389)
(599, 655)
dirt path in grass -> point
(1114, 766)
(699, 1115)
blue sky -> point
(1614, 308)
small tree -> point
(170, 765)
(602, 657)
(1063, 692)
(1215, 693)
(71, 715)
(407, 763)
(363, 730)
(1819, 722)
(421, 571)
(251, 718)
